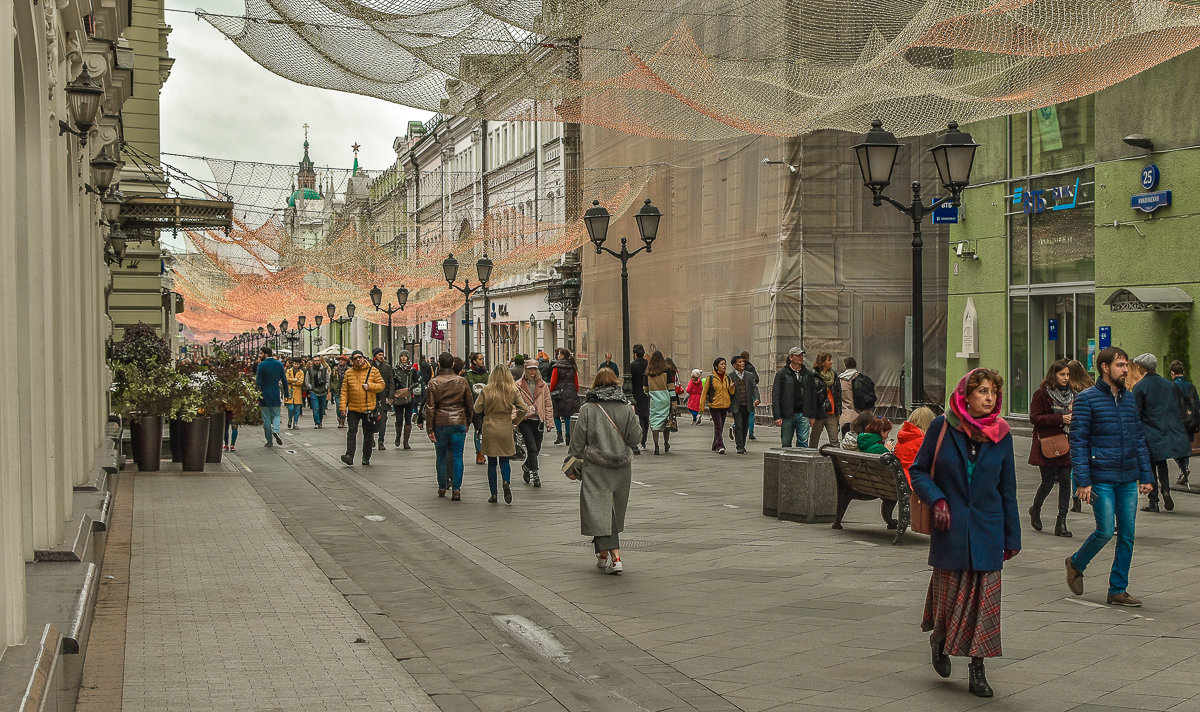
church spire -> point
(306, 177)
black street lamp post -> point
(340, 321)
(596, 219)
(565, 293)
(401, 300)
(310, 329)
(954, 155)
(273, 335)
(483, 270)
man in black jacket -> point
(787, 400)
(384, 403)
(637, 385)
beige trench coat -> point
(498, 421)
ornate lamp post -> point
(83, 98)
(310, 329)
(596, 220)
(273, 335)
(954, 155)
(340, 321)
(401, 300)
(483, 270)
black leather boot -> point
(1060, 525)
(1035, 518)
(941, 661)
(977, 680)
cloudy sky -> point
(220, 103)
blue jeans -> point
(796, 427)
(450, 441)
(229, 426)
(478, 436)
(504, 471)
(270, 414)
(1111, 504)
(294, 411)
(318, 407)
(560, 423)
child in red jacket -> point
(694, 388)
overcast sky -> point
(220, 103)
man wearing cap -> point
(385, 398)
(1162, 421)
(787, 400)
(359, 388)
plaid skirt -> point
(962, 608)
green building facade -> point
(1050, 258)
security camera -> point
(765, 161)
(794, 168)
(963, 250)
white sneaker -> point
(602, 561)
(721, 451)
(614, 567)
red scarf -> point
(990, 427)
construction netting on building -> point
(708, 69)
(265, 271)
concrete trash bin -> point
(771, 481)
(807, 489)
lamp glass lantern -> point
(647, 221)
(402, 296)
(84, 96)
(350, 309)
(117, 242)
(376, 296)
(300, 320)
(111, 205)
(104, 169)
(260, 331)
(596, 220)
(331, 310)
(483, 269)
(954, 156)
(877, 156)
(271, 329)
(318, 318)
(450, 269)
(283, 325)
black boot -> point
(537, 480)
(977, 680)
(1060, 525)
(559, 439)
(941, 661)
(1035, 518)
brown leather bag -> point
(922, 513)
(1055, 445)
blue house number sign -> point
(1149, 202)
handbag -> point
(922, 513)
(672, 425)
(376, 415)
(403, 394)
(1055, 445)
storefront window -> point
(1062, 238)
(1018, 248)
(1018, 360)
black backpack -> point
(1189, 407)
(863, 390)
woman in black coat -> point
(965, 468)
(1050, 413)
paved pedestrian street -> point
(288, 581)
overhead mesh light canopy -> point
(708, 69)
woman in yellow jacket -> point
(718, 394)
(295, 397)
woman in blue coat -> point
(973, 490)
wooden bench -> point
(863, 476)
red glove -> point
(1009, 553)
(941, 515)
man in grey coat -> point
(316, 382)
(743, 401)
(1162, 421)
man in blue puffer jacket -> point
(1111, 466)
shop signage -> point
(1052, 329)
(970, 331)
(1032, 202)
(437, 330)
(945, 215)
(1105, 337)
(1091, 358)
(1149, 202)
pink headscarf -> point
(990, 426)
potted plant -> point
(221, 390)
(141, 390)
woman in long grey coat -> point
(602, 438)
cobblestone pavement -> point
(494, 607)
(227, 612)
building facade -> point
(1078, 234)
(53, 279)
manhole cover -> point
(625, 543)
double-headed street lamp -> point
(953, 154)
(596, 219)
(565, 293)
(310, 329)
(330, 309)
(483, 270)
(401, 300)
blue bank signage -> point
(945, 214)
(1153, 200)
(1105, 337)
(1052, 330)
(1040, 200)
